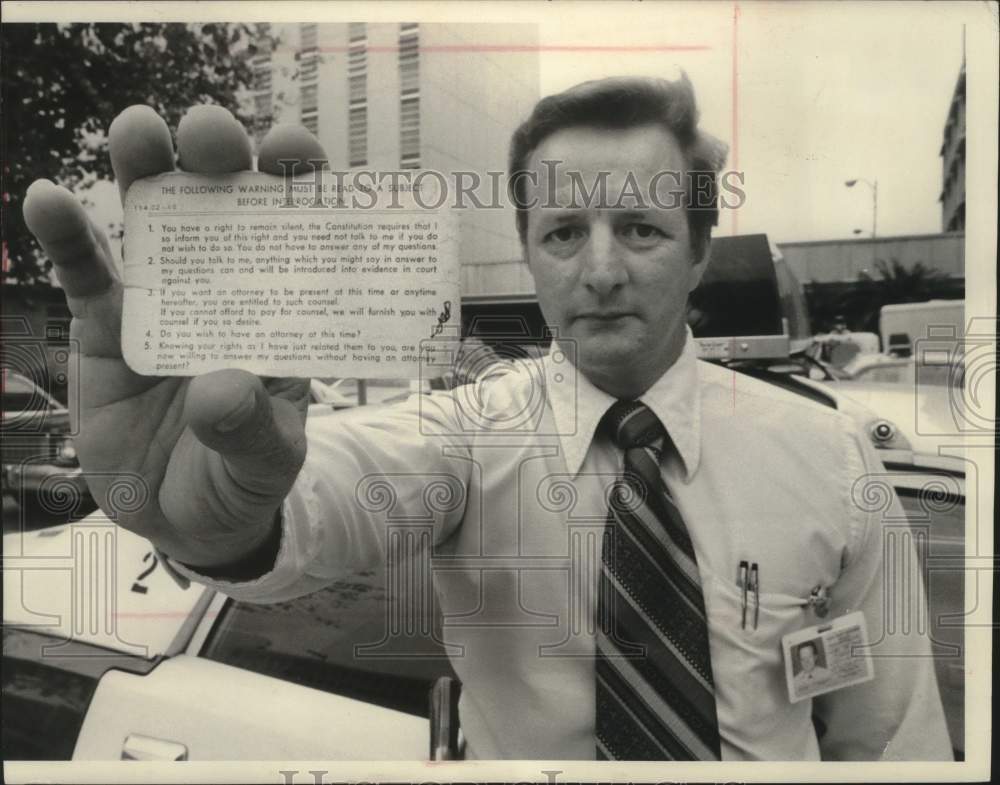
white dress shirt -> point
(508, 480)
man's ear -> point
(699, 264)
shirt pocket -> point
(756, 719)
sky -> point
(824, 93)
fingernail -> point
(40, 185)
(239, 415)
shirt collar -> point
(578, 406)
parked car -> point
(141, 667)
(40, 467)
(926, 401)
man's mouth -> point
(604, 316)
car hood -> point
(929, 417)
(95, 582)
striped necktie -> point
(655, 693)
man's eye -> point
(564, 234)
(643, 232)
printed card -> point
(283, 277)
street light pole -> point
(874, 208)
(874, 187)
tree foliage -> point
(63, 84)
(861, 301)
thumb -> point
(261, 439)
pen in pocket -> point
(742, 581)
(749, 581)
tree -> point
(861, 301)
(63, 84)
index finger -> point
(140, 146)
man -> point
(578, 629)
(810, 674)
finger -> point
(261, 439)
(140, 146)
(289, 388)
(102, 240)
(211, 141)
(70, 240)
(290, 149)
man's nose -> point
(603, 262)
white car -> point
(107, 657)
(925, 400)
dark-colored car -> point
(40, 467)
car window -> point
(945, 520)
(314, 640)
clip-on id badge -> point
(827, 657)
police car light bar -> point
(744, 347)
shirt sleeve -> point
(366, 470)
(899, 715)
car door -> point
(194, 708)
(931, 490)
(107, 657)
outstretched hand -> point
(215, 454)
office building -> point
(408, 95)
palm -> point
(147, 468)
(154, 450)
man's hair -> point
(620, 103)
(808, 645)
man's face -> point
(807, 658)
(613, 277)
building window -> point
(358, 135)
(357, 31)
(260, 63)
(308, 36)
(409, 60)
(308, 75)
(310, 107)
(409, 133)
(357, 95)
(409, 89)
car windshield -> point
(347, 638)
